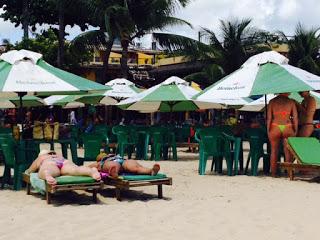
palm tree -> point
(304, 49)
(238, 42)
(130, 19)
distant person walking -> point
(282, 122)
(306, 111)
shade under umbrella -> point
(264, 73)
(172, 95)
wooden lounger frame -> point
(95, 187)
(290, 167)
(121, 184)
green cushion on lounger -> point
(62, 180)
(306, 148)
(39, 184)
(143, 177)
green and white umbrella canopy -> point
(26, 71)
(73, 101)
(27, 101)
(172, 95)
(64, 101)
(122, 88)
(264, 73)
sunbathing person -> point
(50, 165)
(282, 122)
(306, 112)
(115, 164)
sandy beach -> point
(194, 207)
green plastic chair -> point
(232, 151)
(18, 157)
(92, 143)
(142, 138)
(211, 144)
(157, 135)
(126, 141)
(257, 137)
(170, 145)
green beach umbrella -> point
(120, 88)
(65, 101)
(172, 95)
(73, 101)
(27, 101)
(264, 73)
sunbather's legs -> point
(133, 166)
(69, 168)
(48, 172)
(274, 137)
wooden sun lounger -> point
(122, 184)
(302, 165)
(95, 187)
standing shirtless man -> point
(306, 111)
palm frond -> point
(91, 40)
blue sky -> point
(271, 15)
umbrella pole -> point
(21, 94)
(266, 108)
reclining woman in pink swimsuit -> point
(115, 164)
(282, 122)
(50, 165)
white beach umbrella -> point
(122, 88)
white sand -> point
(195, 207)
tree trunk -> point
(124, 58)
(60, 59)
(106, 60)
(25, 20)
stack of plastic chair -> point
(157, 135)
(232, 152)
(17, 157)
(142, 136)
(211, 144)
(257, 138)
(170, 145)
(92, 143)
(125, 141)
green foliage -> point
(46, 12)
(209, 75)
(46, 43)
(304, 49)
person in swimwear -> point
(50, 165)
(114, 164)
(282, 122)
(306, 112)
